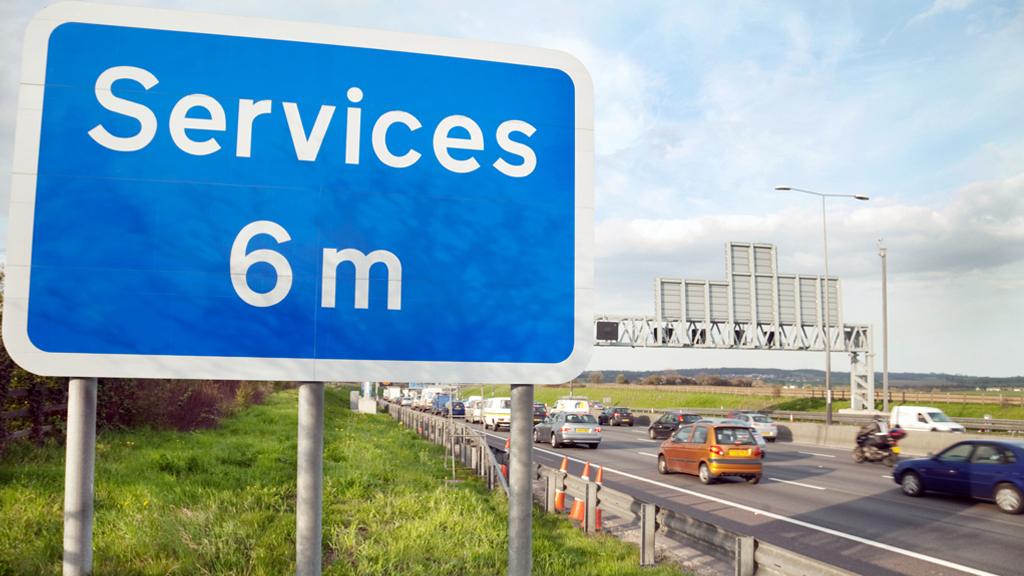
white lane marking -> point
(647, 454)
(817, 454)
(787, 519)
(889, 476)
(796, 483)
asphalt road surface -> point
(818, 502)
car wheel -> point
(630, 424)
(536, 437)
(911, 484)
(662, 465)
(554, 441)
(592, 445)
(754, 479)
(650, 432)
(1008, 498)
(704, 473)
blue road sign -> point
(203, 196)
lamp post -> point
(883, 253)
(828, 308)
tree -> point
(596, 378)
(621, 379)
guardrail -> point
(468, 444)
(749, 555)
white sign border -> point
(23, 185)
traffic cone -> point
(598, 480)
(578, 506)
(504, 467)
(559, 492)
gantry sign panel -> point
(755, 308)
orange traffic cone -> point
(559, 492)
(597, 515)
(578, 507)
(504, 467)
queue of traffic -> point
(735, 446)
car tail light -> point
(615, 413)
(717, 450)
(681, 418)
(598, 429)
(756, 452)
(566, 429)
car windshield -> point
(734, 436)
(938, 417)
(538, 409)
(580, 419)
(762, 419)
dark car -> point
(458, 409)
(540, 412)
(982, 469)
(616, 416)
(670, 422)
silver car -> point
(568, 428)
(763, 423)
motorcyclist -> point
(873, 433)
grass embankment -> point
(642, 397)
(222, 501)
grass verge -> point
(642, 397)
(222, 501)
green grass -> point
(639, 397)
(222, 501)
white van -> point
(573, 404)
(497, 412)
(475, 410)
(922, 418)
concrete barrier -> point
(916, 443)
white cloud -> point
(941, 7)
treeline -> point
(31, 402)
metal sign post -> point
(310, 480)
(520, 483)
(79, 466)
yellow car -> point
(712, 450)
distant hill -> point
(778, 376)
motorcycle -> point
(879, 447)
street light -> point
(883, 253)
(825, 314)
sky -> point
(702, 107)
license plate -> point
(583, 430)
(895, 449)
(739, 452)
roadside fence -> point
(749, 555)
(34, 411)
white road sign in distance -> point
(202, 196)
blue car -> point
(983, 469)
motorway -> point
(818, 502)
